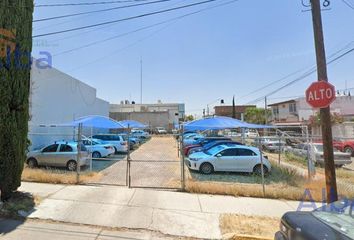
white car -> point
(161, 130)
(98, 149)
(238, 158)
(119, 143)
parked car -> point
(345, 146)
(271, 144)
(59, 154)
(333, 221)
(134, 142)
(160, 130)
(228, 158)
(141, 134)
(97, 148)
(201, 142)
(119, 143)
(190, 139)
(213, 144)
(316, 150)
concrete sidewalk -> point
(39, 230)
(172, 213)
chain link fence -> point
(297, 161)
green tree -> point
(189, 118)
(16, 35)
(256, 115)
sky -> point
(231, 50)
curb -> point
(233, 236)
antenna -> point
(141, 80)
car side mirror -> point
(218, 155)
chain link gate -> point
(157, 164)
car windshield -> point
(319, 148)
(338, 215)
(215, 150)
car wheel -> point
(115, 150)
(71, 165)
(96, 155)
(258, 170)
(206, 168)
(32, 163)
(349, 150)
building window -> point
(292, 107)
(276, 111)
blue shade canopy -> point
(219, 123)
(94, 122)
(132, 124)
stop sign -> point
(320, 94)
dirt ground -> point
(249, 225)
(154, 164)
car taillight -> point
(123, 143)
(107, 147)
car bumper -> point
(84, 161)
(280, 236)
(194, 165)
(337, 162)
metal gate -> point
(156, 165)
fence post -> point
(78, 153)
(183, 180)
(128, 160)
(262, 165)
(280, 150)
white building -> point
(57, 98)
(155, 115)
(297, 111)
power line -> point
(124, 19)
(348, 4)
(97, 11)
(86, 3)
(150, 35)
(298, 71)
(136, 30)
(95, 29)
(302, 77)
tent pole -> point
(91, 151)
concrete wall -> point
(152, 119)
(175, 111)
(344, 130)
(59, 98)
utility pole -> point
(326, 126)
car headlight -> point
(283, 228)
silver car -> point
(236, 158)
(59, 154)
(316, 150)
